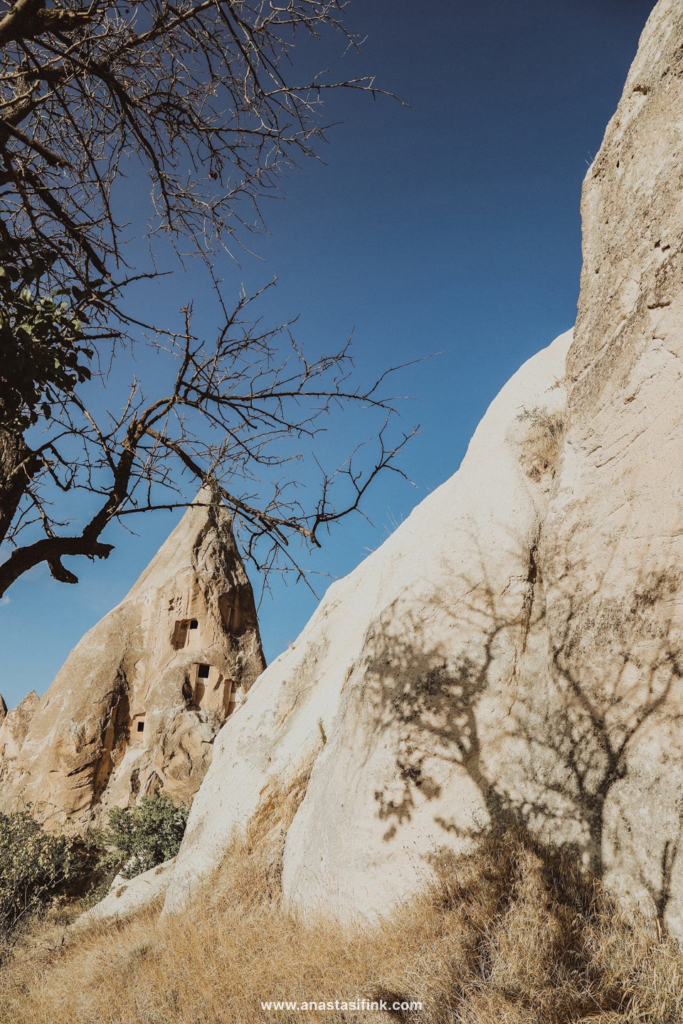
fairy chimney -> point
(138, 703)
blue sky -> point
(449, 226)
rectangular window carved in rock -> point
(203, 672)
(137, 728)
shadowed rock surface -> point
(137, 705)
(15, 724)
(611, 553)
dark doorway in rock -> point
(203, 672)
(137, 728)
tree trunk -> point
(18, 465)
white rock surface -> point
(127, 897)
(388, 788)
(514, 652)
(612, 555)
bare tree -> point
(238, 414)
(203, 96)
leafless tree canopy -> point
(205, 96)
(237, 414)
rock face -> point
(403, 680)
(514, 652)
(15, 724)
(138, 703)
(612, 549)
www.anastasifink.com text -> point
(342, 1004)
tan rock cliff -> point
(15, 724)
(138, 703)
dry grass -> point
(512, 935)
(541, 445)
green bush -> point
(35, 867)
(138, 838)
(41, 339)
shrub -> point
(35, 867)
(138, 838)
(541, 445)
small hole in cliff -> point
(141, 726)
(194, 624)
(203, 672)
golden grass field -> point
(513, 934)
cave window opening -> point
(141, 726)
(203, 672)
(185, 632)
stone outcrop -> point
(128, 896)
(407, 672)
(402, 682)
(514, 651)
(137, 705)
(15, 724)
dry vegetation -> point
(542, 443)
(512, 935)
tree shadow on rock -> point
(551, 728)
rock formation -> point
(514, 651)
(612, 543)
(15, 724)
(403, 681)
(127, 896)
(138, 703)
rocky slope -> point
(138, 703)
(513, 652)
(403, 681)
